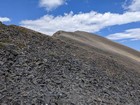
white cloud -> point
(51, 4)
(90, 22)
(134, 6)
(4, 19)
(131, 34)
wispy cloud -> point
(130, 34)
(90, 22)
(51, 4)
(4, 19)
(134, 5)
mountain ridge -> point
(99, 38)
(94, 41)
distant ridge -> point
(91, 41)
(100, 43)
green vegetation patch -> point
(1, 45)
(20, 45)
(5, 40)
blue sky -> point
(118, 20)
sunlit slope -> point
(102, 43)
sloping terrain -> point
(91, 42)
(37, 69)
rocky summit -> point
(68, 68)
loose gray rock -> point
(37, 69)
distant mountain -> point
(68, 68)
(92, 42)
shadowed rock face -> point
(36, 69)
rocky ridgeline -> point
(36, 69)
